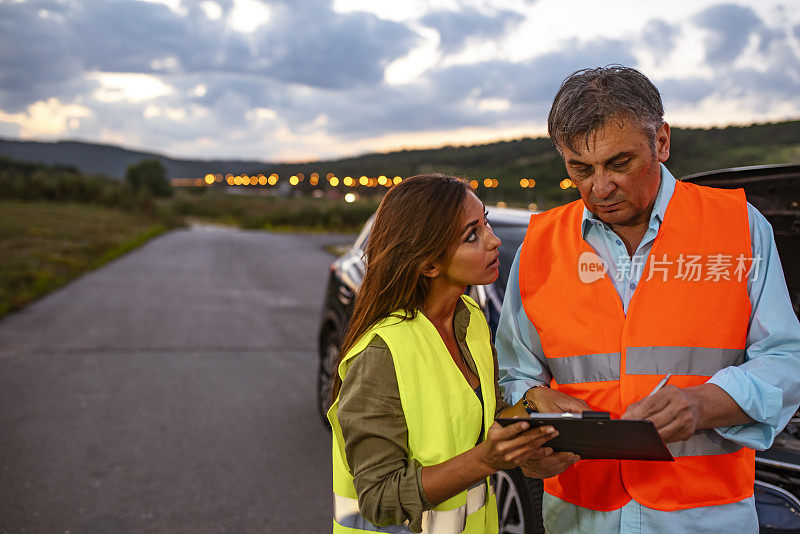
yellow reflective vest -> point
(443, 416)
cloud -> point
(467, 95)
(680, 91)
(49, 47)
(456, 28)
(535, 80)
(660, 38)
(46, 117)
(730, 28)
(321, 48)
(31, 60)
(306, 77)
(768, 74)
(127, 36)
(308, 44)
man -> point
(646, 277)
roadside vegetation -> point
(56, 223)
(44, 245)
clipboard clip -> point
(595, 416)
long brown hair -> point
(414, 226)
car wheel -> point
(329, 354)
(519, 502)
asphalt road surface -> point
(171, 391)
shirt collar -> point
(461, 319)
(665, 190)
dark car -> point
(774, 190)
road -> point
(170, 391)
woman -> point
(416, 393)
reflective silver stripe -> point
(455, 520)
(476, 497)
(585, 368)
(703, 443)
(346, 513)
(700, 361)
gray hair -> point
(589, 98)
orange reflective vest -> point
(688, 316)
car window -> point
(511, 237)
(361, 240)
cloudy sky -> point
(305, 79)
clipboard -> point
(595, 436)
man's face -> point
(618, 175)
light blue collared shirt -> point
(766, 386)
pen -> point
(660, 385)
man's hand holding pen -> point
(679, 412)
(674, 411)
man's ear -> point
(432, 270)
(662, 143)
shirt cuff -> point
(514, 391)
(759, 399)
(426, 504)
(415, 520)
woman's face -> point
(473, 259)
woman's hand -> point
(510, 446)
(548, 400)
(503, 448)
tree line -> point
(144, 181)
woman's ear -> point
(432, 270)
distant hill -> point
(693, 150)
(112, 161)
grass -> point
(44, 245)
